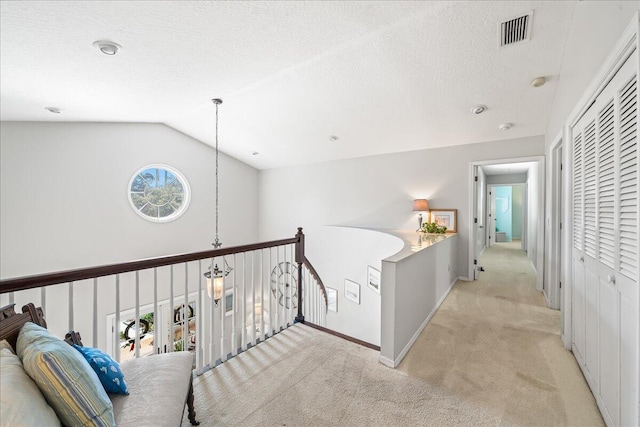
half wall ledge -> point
(416, 281)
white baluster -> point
(185, 310)
(269, 292)
(277, 289)
(116, 331)
(222, 305)
(156, 316)
(137, 337)
(172, 334)
(71, 306)
(212, 330)
(43, 299)
(94, 329)
(262, 305)
(244, 301)
(199, 323)
(253, 299)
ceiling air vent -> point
(515, 30)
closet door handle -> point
(581, 259)
(611, 279)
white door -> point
(604, 257)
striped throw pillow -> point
(65, 378)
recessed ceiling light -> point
(538, 81)
(107, 47)
(333, 138)
(54, 110)
(478, 109)
(505, 126)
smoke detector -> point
(478, 109)
(538, 81)
(505, 126)
(107, 47)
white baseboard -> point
(567, 344)
(386, 361)
(394, 363)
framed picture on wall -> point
(373, 279)
(352, 291)
(332, 300)
(445, 217)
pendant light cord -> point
(216, 244)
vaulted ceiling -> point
(382, 76)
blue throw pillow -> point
(106, 368)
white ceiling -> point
(507, 168)
(383, 76)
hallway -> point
(494, 343)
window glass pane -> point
(159, 193)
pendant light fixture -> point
(215, 276)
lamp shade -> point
(420, 205)
(215, 287)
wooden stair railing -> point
(47, 279)
(314, 292)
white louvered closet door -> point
(605, 246)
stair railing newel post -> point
(300, 262)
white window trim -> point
(185, 185)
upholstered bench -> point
(159, 386)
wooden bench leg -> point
(192, 411)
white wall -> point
(518, 214)
(533, 213)
(595, 28)
(377, 191)
(64, 196)
(534, 194)
(64, 205)
(512, 178)
(353, 251)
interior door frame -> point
(479, 230)
(556, 227)
(540, 247)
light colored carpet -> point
(490, 356)
(494, 343)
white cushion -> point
(21, 402)
(158, 387)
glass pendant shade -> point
(215, 284)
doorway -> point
(528, 172)
(506, 213)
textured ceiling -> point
(382, 76)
